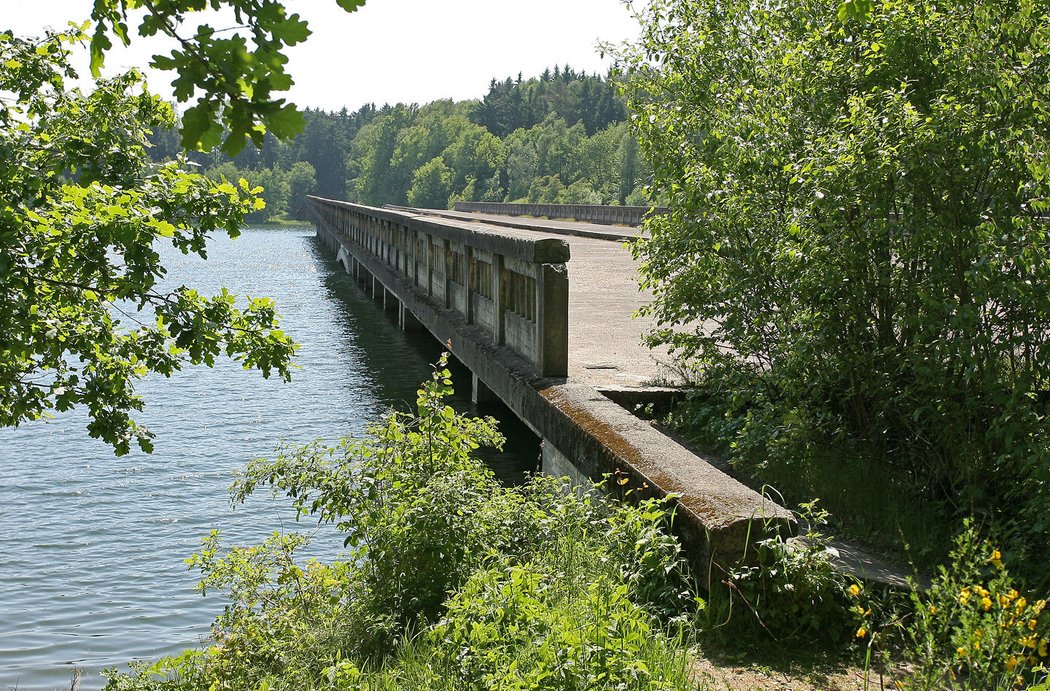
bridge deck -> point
(605, 339)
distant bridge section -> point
(605, 215)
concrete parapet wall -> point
(516, 287)
(606, 215)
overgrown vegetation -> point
(451, 580)
(454, 581)
(857, 258)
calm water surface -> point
(92, 573)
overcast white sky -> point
(402, 50)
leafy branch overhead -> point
(84, 310)
(235, 75)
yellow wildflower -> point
(964, 596)
(1032, 623)
(1038, 606)
(933, 610)
(1042, 648)
(996, 559)
(1021, 604)
(961, 651)
(1011, 663)
(862, 632)
(854, 590)
(1030, 641)
(986, 603)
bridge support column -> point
(390, 301)
(407, 320)
(555, 463)
(480, 393)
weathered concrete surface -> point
(716, 515)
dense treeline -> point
(572, 96)
(562, 137)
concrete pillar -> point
(390, 301)
(481, 393)
(499, 300)
(407, 320)
(552, 318)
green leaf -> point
(351, 5)
(286, 122)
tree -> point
(858, 235)
(301, 182)
(234, 75)
(82, 209)
(431, 185)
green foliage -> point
(571, 96)
(451, 581)
(235, 76)
(411, 497)
(972, 629)
(442, 152)
(81, 212)
(431, 185)
(858, 246)
(520, 627)
(282, 191)
(789, 590)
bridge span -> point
(542, 313)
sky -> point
(390, 51)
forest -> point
(562, 137)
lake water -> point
(92, 572)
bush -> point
(973, 629)
(788, 591)
(857, 241)
(449, 575)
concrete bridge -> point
(541, 312)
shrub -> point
(973, 629)
(521, 627)
(788, 590)
(857, 243)
(572, 586)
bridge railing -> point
(607, 215)
(515, 289)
